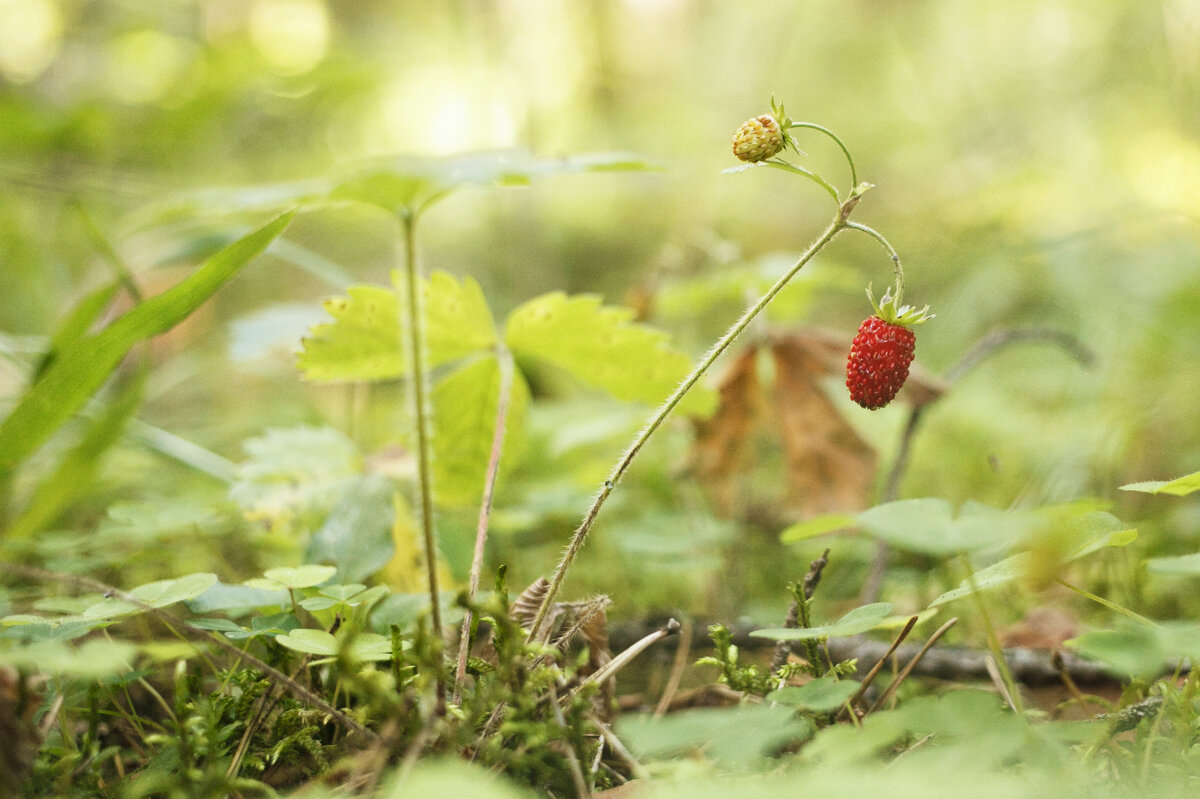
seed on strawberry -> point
(758, 139)
(882, 351)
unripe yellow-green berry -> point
(758, 139)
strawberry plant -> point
(376, 478)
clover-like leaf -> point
(158, 594)
(602, 347)
(293, 577)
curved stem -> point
(415, 342)
(585, 526)
(832, 135)
(779, 163)
(891, 251)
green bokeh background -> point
(1036, 164)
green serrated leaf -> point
(80, 371)
(457, 320)
(856, 621)
(1179, 487)
(464, 411)
(602, 347)
(364, 342)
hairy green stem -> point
(415, 330)
(887, 245)
(585, 526)
(832, 135)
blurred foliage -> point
(1037, 165)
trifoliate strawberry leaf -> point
(457, 320)
(602, 347)
(464, 413)
(365, 342)
(1179, 487)
(361, 343)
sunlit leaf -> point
(402, 184)
(362, 343)
(602, 347)
(365, 342)
(856, 621)
(78, 373)
(293, 577)
(457, 320)
(1180, 486)
(464, 411)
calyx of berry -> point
(785, 124)
(890, 310)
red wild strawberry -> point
(882, 352)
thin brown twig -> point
(682, 655)
(912, 664)
(878, 667)
(504, 360)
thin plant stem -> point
(415, 330)
(504, 360)
(887, 245)
(993, 641)
(832, 135)
(1113, 606)
(664, 410)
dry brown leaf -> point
(721, 449)
(1042, 628)
(829, 466)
